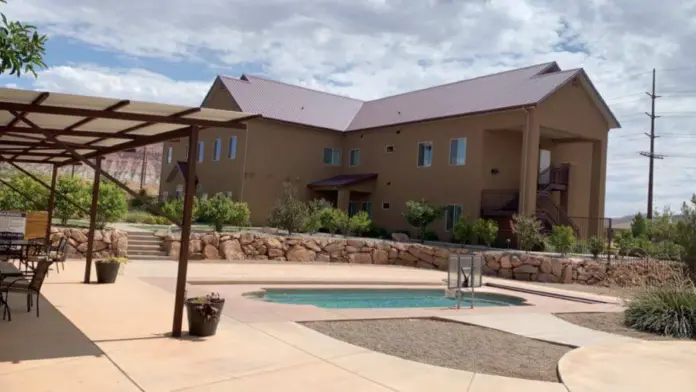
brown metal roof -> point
(343, 180)
(500, 91)
(179, 167)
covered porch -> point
(348, 192)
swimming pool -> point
(384, 298)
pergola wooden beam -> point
(87, 120)
(62, 132)
(97, 114)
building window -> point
(389, 148)
(457, 151)
(217, 149)
(332, 156)
(385, 205)
(201, 148)
(232, 147)
(354, 157)
(425, 154)
(229, 194)
(169, 154)
(356, 206)
(186, 152)
(179, 190)
(452, 214)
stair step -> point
(141, 247)
(144, 242)
(150, 257)
(132, 253)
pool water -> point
(385, 298)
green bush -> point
(13, 201)
(463, 231)
(332, 219)
(175, 208)
(421, 214)
(667, 311)
(220, 210)
(112, 204)
(359, 223)
(138, 204)
(624, 242)
(596, 246)
(289, 213)
(562, 238)
(528, 231)
(375, 231)
(315, 207)
(485, 230)
(430, 236)
(78, 192)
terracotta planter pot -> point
(198, 325)
(106, 272)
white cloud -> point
(372, 48)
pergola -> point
(63, 129)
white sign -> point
(13, 225)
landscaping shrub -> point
(528, 231)
(639, 226)
(485, 231)
(624, 242)
(13, 201)
(562, 238)
(175, 208)
(220, 210)
(463, 231)
(315, 207)
(668, 310)
(430, 236)
(137, 204)
(332, 219)
(79, 193)
(112, 204)
(596, 246)
(375, 231)
(359, 223)
(421, 214)
(289, 213)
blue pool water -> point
(385, 298)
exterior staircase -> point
(144, 245)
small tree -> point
(639, 226)
(316, 208)
(332, 219)
(528, 231)
(624, 242)
(421, 214)
(596, 246)
(289, 213)
(12, 200)
(463, 231)
(112, 204)
(359, 223)
(77, 191)
(562, 238)
(485, 230)
(220, 210)
(686, 232)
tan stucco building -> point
(530, 140)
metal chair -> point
(21, 285)
(59, 253)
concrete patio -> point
(115, 338)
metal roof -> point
(343, 180)
(505, 90)
(46, 127)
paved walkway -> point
(542, 326)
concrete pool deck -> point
(114, 338)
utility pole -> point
(651, 155)
(142, 169)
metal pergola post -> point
(51, 203)
(92, 220)
(189, 191)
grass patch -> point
(668, 310)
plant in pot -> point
(107, 269)
(204, 314)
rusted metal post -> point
(92, 220)
(51, 204)
(189, 191)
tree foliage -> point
(77, 191)
(639, 225)
(528, 231)
(332, 219)
(562, 238)
(359, 223)
(11, 200)
(485, 230)
(220, 210)
(112, 204)
(316, 208)
(22, 48)
(463, 231)
(289, 213)
(421, 214)
(175, 208)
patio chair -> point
(59, 253)
(31, 287)
(34, 251)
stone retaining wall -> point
(540, 268)
(108, 242)
(251, 246)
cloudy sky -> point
(170, 51)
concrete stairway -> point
(144, 245)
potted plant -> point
(107, 269)
(204, 314)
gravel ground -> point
(608, 322)
(453, 345)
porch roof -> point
(343, 180)
(179, 167)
